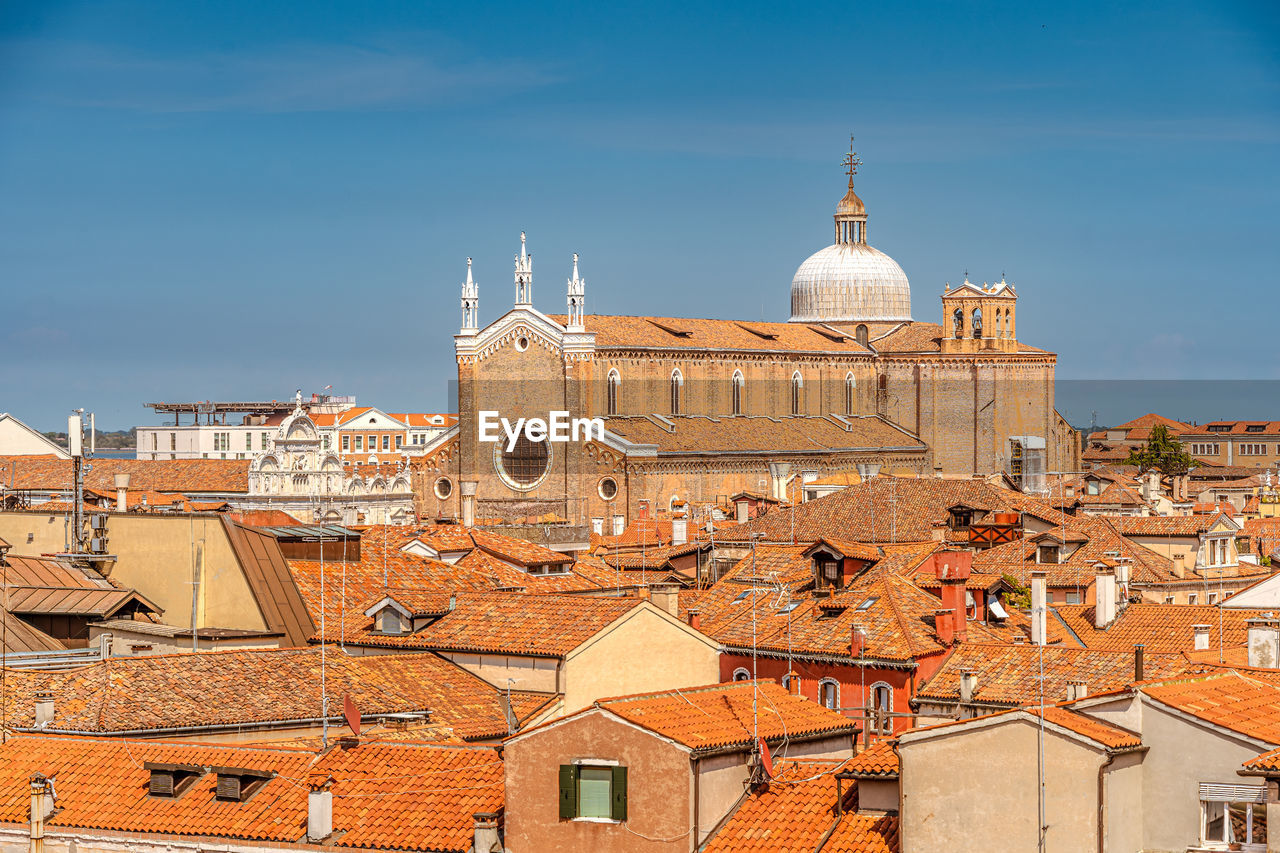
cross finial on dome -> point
(851, 162)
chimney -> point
(468, 502)
(1264, 642)
(1076, 690)
(122, 492)
(665, 596)
(793, 682)
(1104, 598)
(857, 641)
(1201, 636)
(944, 626)
(1139, 670)
(44, 709)
(968, 683)
(1180, 565)
(778, 472)
(41, 808)
(1039, 608)
(694, 616)
(952, 568)
(742, 510)
(486, 833)
(679, 531)
(319, 807)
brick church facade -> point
(696, 410)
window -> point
(791, 683)
(797, 385)
(173, 441)
(443, 488)
(1073, 596)
(597, 526)
(1253, 450)
(1193, 598)
(373, 443)
(619, 524)
(262, 441)
(1213, 598)
(957, 320)
(608, 489)
(1093, 488)
(1047, 554)
(676, 382)
(977, 322)
(881, 708)
(593, 792)
(386, 442)
(248, 441)
(860, 334)
(849, 387)
(1233, 814)
(1205, 449)
(359, 443)
(611, 392)
(961, 518)
(741, 674)
(526, 464)
(1220, 427)
(325, 441)
(153, 441)
(829, 693)
(399, 441)
(735, 394)
(346, 443)
(1255, 428)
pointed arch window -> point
(735, 393)
(1008, 324)
(850, 385)
(611, 392)
(797, 388)
(957, 320)
(860, 334)
(677, 381)
(977, 322)
(999, 320)
(882, 707)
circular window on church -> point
(522, 344)
(444, 488)
(608, 488)
(526, 465)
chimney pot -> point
(1139, 671)
(44, 709)
(695, 618)
(1076, 690)
(968, 683)
(1104, 598)
(319, 808)
(485, 839)
(1201, 633)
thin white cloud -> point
(294, 78)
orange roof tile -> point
(183, 476)
(877, 761)
(700, 434)
(1160, 627)
(720, 715)
(1229, 699)
(1266, 763)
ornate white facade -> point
(295, 475)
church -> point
(698, 410)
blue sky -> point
(233, 200)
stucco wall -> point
(976, 791)
(527, 673)
(645, 652)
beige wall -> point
(68, 840)
(976, 791)
(878, 795)
(646, 651)
(156, 555)
(526, 673)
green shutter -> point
(619, 803)
(568, 791)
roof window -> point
(790, 607)
(1219, 427)
(171, 780)
(869, 603)
(237, 784)
(1255, 428)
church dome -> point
(849, 281)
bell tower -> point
(980, 318)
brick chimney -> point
(1039, 608)
(944, 626)
(952, 568)
(694, 616)
(643, 509)
(1201, 633)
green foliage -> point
(1162, 452)
(1019, 596)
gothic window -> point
(849, 386)
(525, 465)
(676, 381)
(977, 322)
(860, 334)
(829, 693)
(741, 674)
(797, 385)
(882, 707)
(957, 320)
(611, 392)
(736, 393)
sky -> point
(232, 200)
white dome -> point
(850, 282)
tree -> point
(1163, 452)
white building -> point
(18, 439)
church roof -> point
(747, 434)
(620, 332)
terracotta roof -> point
(1229, 699)
(1010, 674)
(720, 715)
(901, 509)
(1101, 544)
(240, 688)
(263, 518)
(1267, 762)
(1140, 428)
(1160, 627)
(401, 796)
(1265, 533)
(623, 332)
(1112, 737)
(701, 434)
(540, 625)
(1269, 429)
(877, 761)
(160, 475)
(1164, 525)
(797, 810)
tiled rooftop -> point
(1160, 627)
(1229, 699)
(720, 715)
(696, 434)
(164, 475)
(878, 760)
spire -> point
(577, 299)
(851, 213)
(524, 275)
(470, 302)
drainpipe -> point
(697, 776)
(1102, 802)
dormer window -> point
(961, 518)
(171, 780)
(826, 569)
(1048, 554)
(1093, 487)
(237, 784)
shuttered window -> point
(593, 791)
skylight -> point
(790, 607)
(869, 603)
